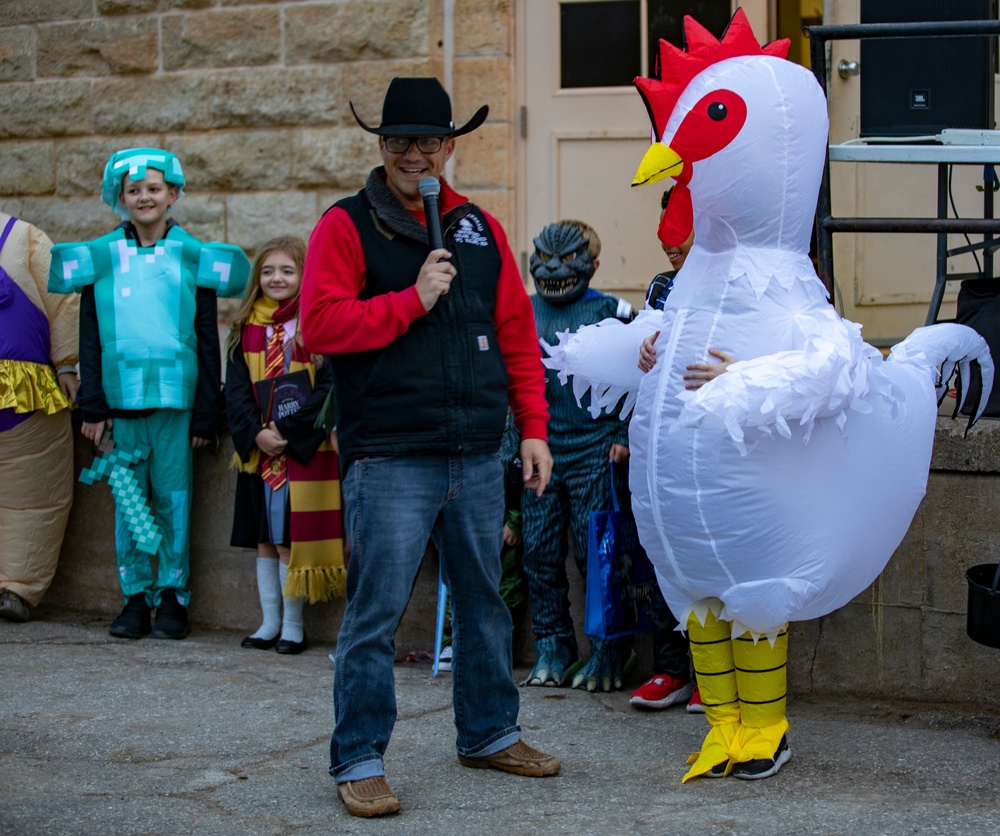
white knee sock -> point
(269, 589)
(292, 628)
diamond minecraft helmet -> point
(134, 162)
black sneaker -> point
(171, 618)
(133, 623)
(766, 767)
(12, 606)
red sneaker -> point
(661, 691)
(695, 705)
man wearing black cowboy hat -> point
(427, 346)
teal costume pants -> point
(165, 478)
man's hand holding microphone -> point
(436, 275)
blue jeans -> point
(393, 506)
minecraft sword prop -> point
(115, 466)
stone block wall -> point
(903, 638)
(251, 95)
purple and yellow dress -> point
(38, 335)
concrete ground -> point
(102, 735)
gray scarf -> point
(390, 214)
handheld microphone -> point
(429, 189)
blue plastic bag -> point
(620, 578)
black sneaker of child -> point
(171, 618)
(133, 623)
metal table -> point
(941, 155)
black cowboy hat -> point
(419, 107)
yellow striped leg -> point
(712, 656)
(761, 676)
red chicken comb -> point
(677, 67)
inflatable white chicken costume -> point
(778, 491)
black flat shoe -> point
(290, 647)
(259, 644)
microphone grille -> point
(429, 187)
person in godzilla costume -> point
(562, 265)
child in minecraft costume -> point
(150, 369)
(565, 258)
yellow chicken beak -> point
(660, 161)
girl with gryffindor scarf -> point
(288, 490)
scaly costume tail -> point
(715, 670)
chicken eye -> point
(717, 111)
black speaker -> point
(918, 86)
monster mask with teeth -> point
(562, 263)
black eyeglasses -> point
(425, 144)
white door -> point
(585, 129)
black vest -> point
(441, 387)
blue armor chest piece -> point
(146, 300)
(146, 308)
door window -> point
(666, 21)
(606, 43)
(600, 43)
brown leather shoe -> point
(368, 797)
(520, 759)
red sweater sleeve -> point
(334, 319)
(515, 325)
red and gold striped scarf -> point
(254, 339)
(316, 570)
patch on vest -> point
(470, 231)
(483, 341)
